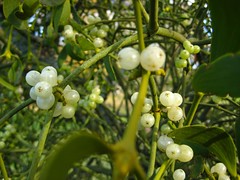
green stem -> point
(153, 17)
(15, 110)
(129, 136)
(40, 146)
(197, 99)
(210, 175)
(163, 168)
(139, 26)
(3, 168)
(9, 39)
(171, 34)
(157, 116)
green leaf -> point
(15, 72)
(28, 9)
(226, 27)
(197, 166)
(7, 85)
(214, 139)
(75, 51)
(62, 13)
(220, 77)
(10, 7)
(77, 146)
(84, 43)
(237, 135)
(52, 3)
(109, 68)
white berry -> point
(68, 111)
(32, 77)
(49, 76)
(223, 177)
(186, 153)
(152, 58)
(219, 168)
(134, 97)
(179, 174)
(98, 42)
(147, 120)
(167, 98)
(175, 113)
(173, 151)
(129, 58)
(71, 97)
(58, 109)
(32, 93)
(45, 103)
(43, 89)
(163, 142)
(178, 99)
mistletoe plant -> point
(134, 89)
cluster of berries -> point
(91, 101)
(69, 34)
(221, 170)
(42, 91)
(172, 101)
(152, 58)
(147, 120)
(97, 32)
(181, 61)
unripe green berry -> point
(181, 63)
(184, 54)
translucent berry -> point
(58, 109)
(32, 77)
(43, 89)
(173, 151)
(32, 93)
(163, 142)
(68, 111)
(147, 120)
(98, 42)
(101, 33)
(167, 98)
(186, 153)
(179, 174)
(71, 97)
(219, 168)
(178, 99)
(165, 129)
(49, 69)
(129, 58)
(152, 58)
(49, 76)
(146, 107)
(223, 177)
(45, 103)
(175, 113)
(105, 27)
(134, 97)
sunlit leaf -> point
(214, 139)
(220, 77)
(10, 7)
(62, 13)
(77, 146)
(226, 27)
(15, 72)
(84, 43)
